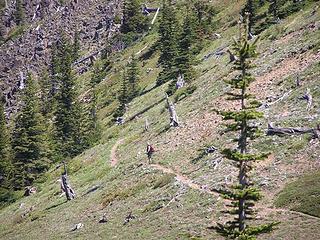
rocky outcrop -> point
(30, 51)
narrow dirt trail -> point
(183, 179)
(113, 154)
(188, 182)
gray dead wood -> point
(307, 96)
(147, 10)
(128, 218)
(103, 219)
(173, 115)
(65, 186)
(155, 16)
(144, 48)
(180, 81)
(146, 125)
(174, 199)
(292, 131)
(278, 100)
(77, 227)
(217, 53)
(70, 194)
(90, 57)
(232, 57)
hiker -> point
(150, 151)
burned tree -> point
(173, 114)
(244, 194)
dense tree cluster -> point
(53, 122)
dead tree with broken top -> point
(65, 186)
(173, 114)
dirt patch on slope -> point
(183, 179)
(289, 66)
(113, 154)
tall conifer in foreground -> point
(244, 194)
(29, 140)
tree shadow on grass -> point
(55, 205)
(165, 129)
(201, 155)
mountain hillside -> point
(119, 194)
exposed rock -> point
(30, 51)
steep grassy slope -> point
(168, 203)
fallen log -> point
(292, 131)
(90, 57)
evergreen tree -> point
(133, 78)
(250, 10)
(123, 98)
(68, 112)
(204, 18)
(244, 194)
(100, 70)
(133, 19)
(273, 8)
(19, 13)
(185, 60)
(29, 146)
(54, 70)
(48, 108)
(168, 32)
(76, 46)
(91, 128)
(5, 161)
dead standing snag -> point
(173, 114)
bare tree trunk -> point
(173, 115)
(70, 194)
(307, 96)
(155, 16)
(146, 125)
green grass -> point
(302, 195)
(133, 186)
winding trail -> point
(188, 182)
(183, 179)
(113, 154)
